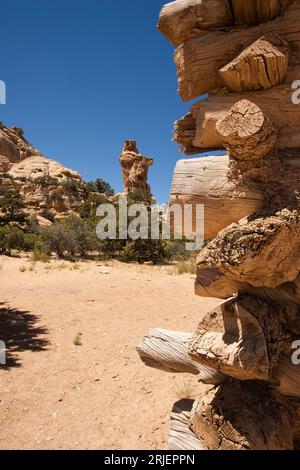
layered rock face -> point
(246, 55)
(38, 166)
(135, 169)
(14, 146)
(44, 184)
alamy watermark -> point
(296, 353)
(2, 353)
(2, 92)
(152, 222)
(296, 92)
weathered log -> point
(249, 338)
(206, 181)
(294, 408)
(257, 250)
(246, 133)
(184, 131)
(243, 416)
(287, 376)
(231, 340)
(261, 66)
(181, 437)
(199, 60)
(168, 351)
(253, 12)
(213, 283)
(182, 20)
(276, 104)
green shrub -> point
(90, 205)
(11, 238)
(45, 181)
(48, 215)
(22, 179)
(83, 235)
(69, 237)
(30, 241)
(71, 185)
(142, 251)
(40, 252)
(99, 186)
(176, 250)
(103, 187)
(19, 131)
(12, 207)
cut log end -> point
(246, 133)
(231, 340)
(261, 66)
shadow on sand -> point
(19, 332)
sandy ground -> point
(56, 395)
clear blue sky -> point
(84, 75)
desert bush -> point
(45, 181)
(19, 131)
(12, 207)
(139, 250)
(90, 205)
(47, 215)
(6, 176)
(176, 250)
(30, 241)
(69, 238)
(99, 186)
(71, 185)
(83, 233)
(22, 179)
(143, 251)
(11, 238)
(59, 239)
(32, 225)
(40, 252)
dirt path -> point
(55, 395)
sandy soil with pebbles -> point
(58, 394)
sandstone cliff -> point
(45, 185)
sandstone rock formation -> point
(44, 184)
(246, 60)
(14, 146)
(135, 170)
(38, 166)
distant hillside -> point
(50, 190)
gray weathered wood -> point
(168, 351)
(181, 437)
(231, 340)
(205, 181)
